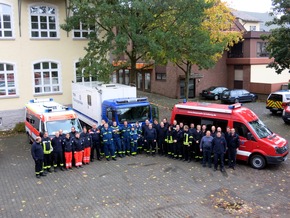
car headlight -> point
(281, 150)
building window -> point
(43, 21)
(191, 92)
(82, 75)
(160, 76)
(253, 28)
(5, 21)
(7, 80)
(82, 31)
(261, 49)
(46, 78)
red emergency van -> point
(47, 115)
(258, 144)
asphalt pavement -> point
(144, 186)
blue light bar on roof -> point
(237, 105)
(40, 100)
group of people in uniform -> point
(176, 141)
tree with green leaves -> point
(200, 40)
(278, 41)
(184, 32)
(123, 30)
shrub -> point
(19, 128)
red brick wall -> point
(261, 88)
(216, 76)
(169, 87)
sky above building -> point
(250, 5)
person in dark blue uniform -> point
(37, 155)
(233, 145)
(150, 137)
(126, 129)
(107, 137)
(96, 142)
(219, 147)
(56, 143)
(116, 129)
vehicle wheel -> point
(216, 97)
(286, 121)
(28, 139)
(236, 100)
(254, 99)
(257, 161)
(274, 112)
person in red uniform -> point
(67, 145)
(77, 144)
(87, 139)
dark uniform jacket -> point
(161, 133)
(116, 131)
(219, 145)
(78, 144)
(67, 144)
(126, 132)
(234, 141)
(47, 147)
(56, 143)
(87, 140)
(107, 135)
(37, 151)
(95, 134)
(150, 134)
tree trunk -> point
(133, 72)
(186, 81)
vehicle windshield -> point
(65, 125)
(226, 92)
(211, 88)
(261, 130)
(133, 114)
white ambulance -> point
(47, 115)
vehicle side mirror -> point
(110, 115)
(249, 136)
(155, 112)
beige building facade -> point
(37, 58)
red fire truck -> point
(259, 145)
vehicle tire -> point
(237, 100)
(274, 112)
(257, 161)
(216, 97)
(286, 121)
(29, 141)
(254, 99)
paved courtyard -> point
(143, 186)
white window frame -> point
(82, 78)
(253, 28)
(47, 30)
(2, 30)
(82, 31)
(49, 82)
(7, 88)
